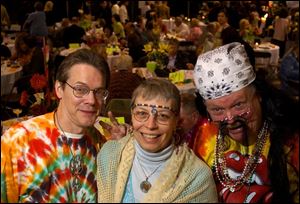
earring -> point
(208, 118)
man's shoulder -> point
(32, 126)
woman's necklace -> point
(252, 162)
(75, 165)
(146, 185)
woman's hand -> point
(116, 130)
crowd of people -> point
(235, 140)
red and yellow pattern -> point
(236, 156)
(35, 163)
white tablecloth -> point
(271, 48)
(8, 76)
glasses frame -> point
(104, 95)
(153, 111)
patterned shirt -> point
(35, 163)
(236, 155)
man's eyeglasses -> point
(162, 114)
(80, 91)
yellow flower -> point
(163, 47)
(148, 47)
(39, 97)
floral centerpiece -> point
(157, 52)
(38, 99)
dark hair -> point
(83, 56)
(116, 17)
(28, 40)
(38, 6)
(283, 13)
(283, 114)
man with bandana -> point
(252, 140)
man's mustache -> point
(238, 122)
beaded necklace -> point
(245, 177)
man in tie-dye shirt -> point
(51, 158)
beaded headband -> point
(154, 107)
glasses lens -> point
(102, 94)
(80, 91)
(140, 115)
(162, 117)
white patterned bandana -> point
(222, 71)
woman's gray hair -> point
(158, 89)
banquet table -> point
(271, 48)
(9, 74)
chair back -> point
(119, 107)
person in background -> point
(51, 158)
(135, 41)
(103, 11)
(145, 8)
(28, 54)
(149, 164)
(123, 11)
(190, 119)
(163, 10)
(4, 50)
(36, 23)
(222, 19)
(289, 71)
(50, 17)
(195, 31)
(73, 33)
(210, 41)
(252, 142)
(246, 31)
(115, 8)
(178, 59)
(281, 25)
(151, 14)
(181, 29)
(118, 28)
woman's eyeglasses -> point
(80, 91)
(163, 115)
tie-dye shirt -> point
(35, 158)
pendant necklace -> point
(146, 185)
(75, 165)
